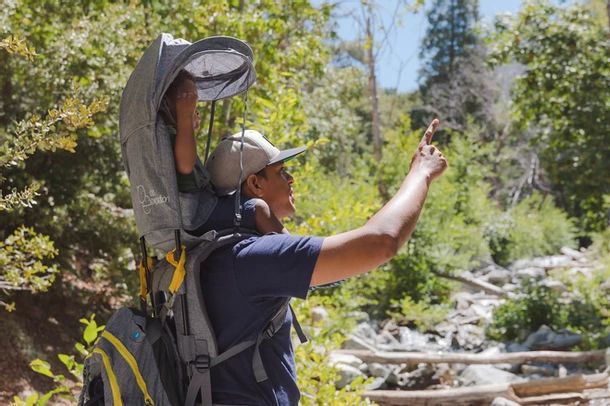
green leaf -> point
(90, 333)
(42, 367)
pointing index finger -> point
(427, 138)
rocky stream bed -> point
(456, 364)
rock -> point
(356, 343)
(572, 253)
(503, 402)
(387, 342)
(510, 287)
(347, 359)
(554, 285)
(516, 347)
(462, 300)
(319, 314)
(475, 375)
(547, 339)
(499, 276)
(555, 261)
(469, 337)
(378, 383)
(366, 332)
(421, 378)
(412, 340)
(347, 375)
(379, 370)
(531, 273)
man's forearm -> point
(398, 217)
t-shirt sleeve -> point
(276, 265)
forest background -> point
(526, 127)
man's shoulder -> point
(276, 244)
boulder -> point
(533, 273)
(413, 340)
(475, 375)
(319, 314)
(356, 343)
(347, 359)
(379, 370)
(366, 332)
(499, 276)
(547, 339)
(347, 375)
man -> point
(244, 285)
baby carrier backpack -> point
(162, 353)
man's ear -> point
(253, 186)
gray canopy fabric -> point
(223, 67)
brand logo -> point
(150, 199)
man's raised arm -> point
(363, 249)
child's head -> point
(184, 82)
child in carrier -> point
(179, 111)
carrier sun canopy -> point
(222, 67)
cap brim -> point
(287, 155)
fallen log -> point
(471, 281)
(533, 392)
(414, 358)
(475, 395)
(573, 383)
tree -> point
(454, 83)
(562, 94)
(25, 254)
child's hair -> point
(168, 103)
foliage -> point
(74, 367)
(316, 377)
(539, 305)
(533, 227)
(566, 54)
(24, 265)
(25, 254)
(422, 315)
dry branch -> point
(534, 392)
(415, 358)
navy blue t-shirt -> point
(243, 287)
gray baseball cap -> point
(258, 152)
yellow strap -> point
(131, 361)
(114, 386)
(179, 273)
(142, 272)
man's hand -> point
(428, 158)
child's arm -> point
(266, 222)
(187, 121)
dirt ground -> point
(44, 325)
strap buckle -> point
(202, 362)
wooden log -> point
(573, 383)
(475, 395)
(553, 389)
(477, 284)
(414, 358)
(554, 399)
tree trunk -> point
(375, 124)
